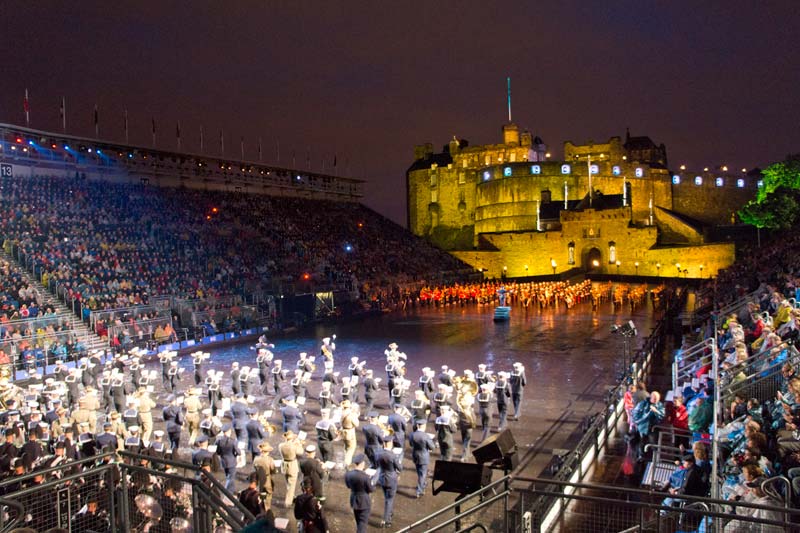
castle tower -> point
(511, 134)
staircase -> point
(91, 340)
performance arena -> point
(193, 343)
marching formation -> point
(326, 417)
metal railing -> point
(55, 496)
(689, 360)
(578, 507)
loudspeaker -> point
(461, 478)
(495, 447)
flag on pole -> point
(259, 149)
(153, 120)
(201, 138)
(125, 123)
(178, 133)
(96, 122)
(242, 146)
(63, 113)
(26, 106)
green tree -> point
(778, 209)
(783, 174)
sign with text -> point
(6, 170)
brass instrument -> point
(465, 385)
(466, 390)
(264, 420)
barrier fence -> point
(137, 493)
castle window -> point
(639, 172)
(464, 163)
(487, 159)
(594, 169)
(698, 180)
(571, 253)
(433, 179)
(720, 182)
(512, 157)
(565, 169)
(740, 183)
(462, 178)
(760, 183)
(486, 175)
(434, 196)
(616, 170)
(536, 169)
(676, 179)
(507, 172)
(612, 252)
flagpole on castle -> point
(508, 84)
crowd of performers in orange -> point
(542, 294)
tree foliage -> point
(778, 210)
(783, 174)
(777, 204)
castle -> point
(509, 209)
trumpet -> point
(264, 420)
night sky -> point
(717, 81)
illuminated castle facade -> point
(511, 209)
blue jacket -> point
(360, 486)
(389, 466)
(421, 447)
(644, 418)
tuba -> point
(464, 385)
(466, 389)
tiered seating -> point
(114, 245)
(759, 392)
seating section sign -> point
(6, 170)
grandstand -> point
(206, 243)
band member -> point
(389, 464)
(278, 377)
(235, 383)
(263, 361)
(290, 449)
(328, 348)
(326, 434)
(214, 390)
(373, 436)
(441, 399)
(421, 447)
(420, 406)
(485, 408)
(349, 425)
(502, 393)
(426, 383)
(325, 401)
(360, 485)
(370, 390)
(518, 383)
(445, 427)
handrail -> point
(612, 488)
(190, 467)
(20, 512)
(460, 516)
(659, 507)
(502, 480)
